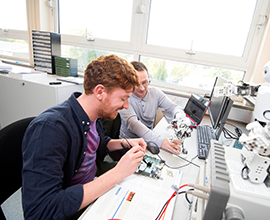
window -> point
(84, 55)
(103, 25)
(104, 19)
(180, 75)
(13, 28)
(195, 40)
(9, 13)
(210, 26)
(180, 41)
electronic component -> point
(219, 177)
(255, 152)
(151, 167)
(260, 91)
(230, 194)
(63, 66)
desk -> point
(190, 172)
(24, 93)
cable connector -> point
(175, 188)
(199, 187)
(198, 194)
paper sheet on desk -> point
(136, 198)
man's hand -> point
(129, 163)
(171, 146)
(126, 166)
(137, 141)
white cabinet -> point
(24, 95)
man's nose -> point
(126, 104)
(141, 87)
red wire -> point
(170, 200)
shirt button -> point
(85, 132)
(83, 122)
(88, 123)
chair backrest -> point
(11, 158)
(112, 128)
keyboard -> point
(204, 135)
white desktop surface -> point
(137, 197)
(190, 172)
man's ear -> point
(99, 91)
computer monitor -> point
(219, 108)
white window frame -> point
(41, 16)
(14, 34)
(137, 45)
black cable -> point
(166, 204)
(244, 176)
(187, 197)
(148, 164)
(229, 134)
(189, 162)
(128, 142)
(237, 130)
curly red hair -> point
(112, 72)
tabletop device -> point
(218, 110)
(231, 196)
(64, 66)
(45, 45)
(196, 108)
(152, 147)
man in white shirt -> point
(138, 119)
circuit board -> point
(151, 167)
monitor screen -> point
(219, 108)
(196, 108)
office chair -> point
(112, 128)
(11, 158)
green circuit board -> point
(151, 167)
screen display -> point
(196, 107)
(216, 109)
(219, 108)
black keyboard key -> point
(204, 135)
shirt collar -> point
(76, 107)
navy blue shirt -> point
(53, 149)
